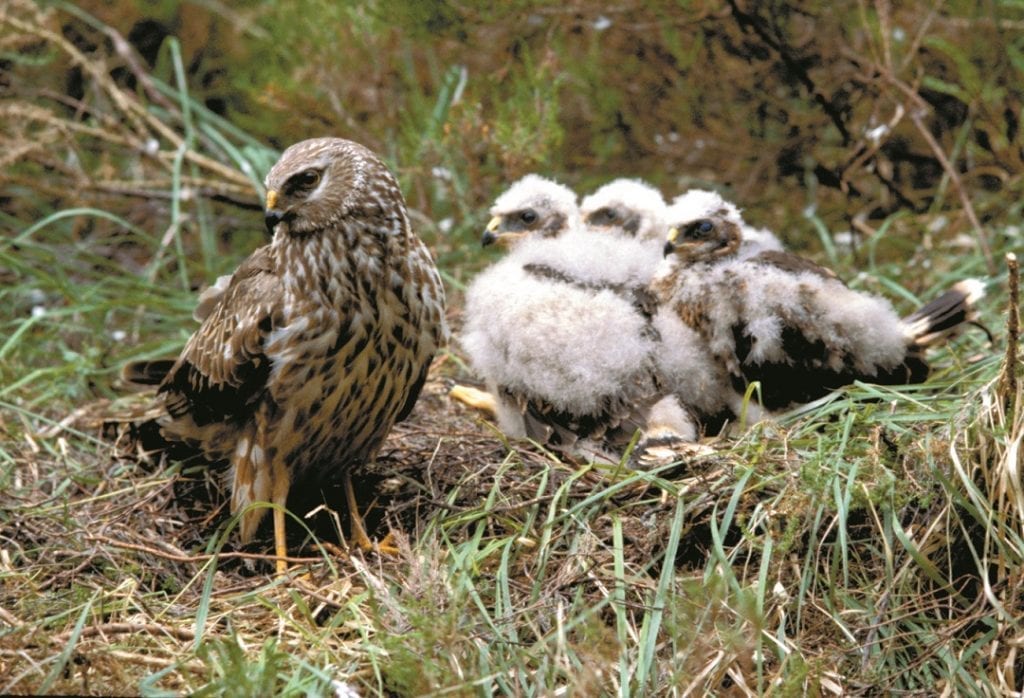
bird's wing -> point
(802, 333)
(223, 367)
(792, 263)
(209, 298)
(614, 419)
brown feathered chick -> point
(788, 323)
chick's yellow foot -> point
(477, 399)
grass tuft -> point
(869, 543)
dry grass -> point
(841, 553)
(870, 543)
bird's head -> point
(704, 240)
(627, 207)
(318, 182)
(704, 227)
(533, 206)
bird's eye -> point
(702, 229)
(529, 216)
(307, 179)
(609, 214)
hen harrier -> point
(317, 344)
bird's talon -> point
(386, 546)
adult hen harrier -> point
(318, 343)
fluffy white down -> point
(857, 326)
(687, 367)
(593, 258)
(510, 417)
(634, 195)
(669, 418)
(757, 240)
(700, 203)
(862, 326)
(545, 195)
(566, 345)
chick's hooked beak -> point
(670, 245)
(490, 235)
(271, 215)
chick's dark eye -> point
(528, 216)
(609, 214)
(702, 229)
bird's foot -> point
(477, 399)
(385, 546)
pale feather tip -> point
(973, 290)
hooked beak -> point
(490, 235)
(670, 245)
(271, 215)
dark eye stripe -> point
(307, 179)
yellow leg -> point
(280, 543)
(359, 536)
(279, 496)
(477, 399)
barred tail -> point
(147, 372)
(943, 317)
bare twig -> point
(917, 117)
(157, 662)
(104, 629)
(197, 558)
(1009, 387)
(131, 59)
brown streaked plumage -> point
(318, 343)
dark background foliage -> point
(841, 114)
(868, 544)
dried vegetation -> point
(870, 543)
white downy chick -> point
(568, 351)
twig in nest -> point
(158, 662)
(105, 629)
(1012, 334)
